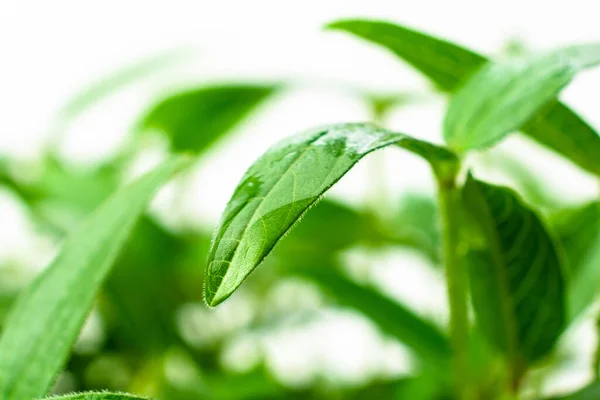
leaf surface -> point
(579, 232)
(97, 396)
(448, 66)
(195, 119)
(46, 319)
(283, 184)
(516, 274)
(501, 97)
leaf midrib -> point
(499, 260)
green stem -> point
(457, 287)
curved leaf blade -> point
(46, 319)
(283, 184)
(195, 119)
(448, 66)
(516, 272)
(501, 97)
(579, 232)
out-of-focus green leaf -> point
(421, 336)
(79, 190)
(48, 315)
(579, 232)
(256, 384)
(97, 396)
(528, 184)
(590, 392)
(449, 65)
(501, 97)
(330, 227)
(195, 119)
(517, 277)
(141, 294)
(284, 183)
(109, 84)
(416, 225)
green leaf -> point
(516, 273)
(143, 313)
(501, 97)
(590, 392)
(416, 225)
(195, 119)
(579, 232)
(448, 66)
(283, 184)
(97, 396)
(394, 319)
(330, 227)
(48, 315)
(111, 83)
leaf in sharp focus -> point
(448, 66)
(579, 232)
(47, 317)
(516, 273)
(283, 184)
(195, 119)
(501, 97)
(420, 335)
(97, 396)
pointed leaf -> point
(517, 279)
(501, 97)
(418, 334)
(48, 315)
(195, 119)
(449, 65)
(283, 184)
(579, 232)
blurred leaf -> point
(501, 97)
(195, 119)
(418, 334)
(579, 232)
(48, 315)
(141, 293)
(517, 282)
(416, 225)
(590, 392)
(109, 84)
(283, 184)
(529, 185)
(97, 396)
(257, 384)
(425, 386)
(76, 189)
(449, 65)
(330, 227)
